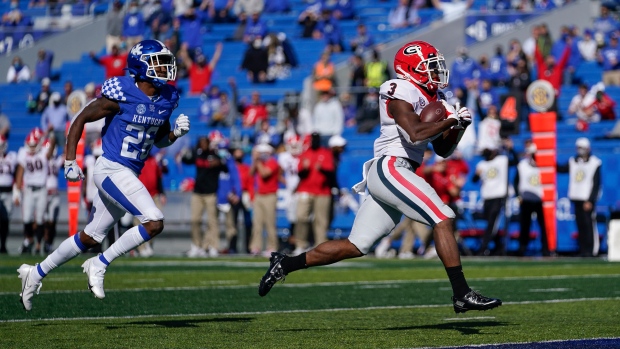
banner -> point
(12, 39)
(482, 26)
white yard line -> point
(469, 318)
(297, 311)
(549, 289)
(332, 284)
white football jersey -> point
(52, 174)
(289, 165)
(393, 140)
(35, 166)
(8, 162)
(494, 175)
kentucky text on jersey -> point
(139, 119)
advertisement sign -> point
(482, 26)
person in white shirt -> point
(18, 71)
(328, 117)
(587, 46)
(489, 131)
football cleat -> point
(474, 301)
(29, 287)
(95, 277)
(274, 274)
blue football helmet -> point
(148, 55)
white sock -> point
(131, 239)
(67, 250)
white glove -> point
(464, 116)
(181, 125)
(17, 195)
(73, 172)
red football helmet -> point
(4, 144)
(33, 142)
(38, 132)
(421, 63)
(294, 145)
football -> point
(433, 112)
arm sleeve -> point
(596, 185)
(564, 59)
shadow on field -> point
(465, 327)
(180, 323)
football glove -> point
(17, 195)
(181, 125)
(73, 172)
(464, 116)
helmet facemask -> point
(160, 59)
(435, 65)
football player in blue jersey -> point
(137, 109)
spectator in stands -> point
(604, 105)
(528, 186)
(113, 63)
(328, 29)
(41, 101)
(358, 79)
(328, 116)
(181, 7)
(362, 41)
(606, 23)
(323, 73)
(158, 22)
(134, 25)
(587, 46)
(267, 134)
(14, 16)
(191, 26)
(266, 170)
(67, 90)
(498, 67)
(489, 130)
(550, 71)
(248, 7)
(43, 67)
(349, 108)
(493, 171)
(403, 15)
(256, 62)
(314, 194)
(584, 185)
(255, 28)
(200, 71)
(487, 97)
(279, 66)
(18, 71)
(277, 6)
(247, 196)
(253, 112)
(462, 72)
(308, 18)
(580, 106)
(208, 168)
(368, 115)
(55, 117)
(515, 54)
(520, 78)
(114, 26)
(209, 103)
(220, 11)
(376, 71)
(609, 56)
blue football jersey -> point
(127, 137)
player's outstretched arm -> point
(95, 110)
(409, 122)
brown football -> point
(433, 112)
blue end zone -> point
(600, 343)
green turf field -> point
(366, 303)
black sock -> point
(457, 279)
(290, 264)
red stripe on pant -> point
(415, 191)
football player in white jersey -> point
(30, 189)
(393, 187)
(53, 200)
(8, 162)
(137, 111)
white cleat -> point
(95, 277)
(29, 287)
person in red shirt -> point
(247, 195)
(550, 71)
(267, 172)
(255, 112)
(199, 71)
(604, 105)
(316, 166)
(155, 166)
(113, 63)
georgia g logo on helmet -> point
(421, 63)
(413, 50)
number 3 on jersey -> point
(141, 145)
